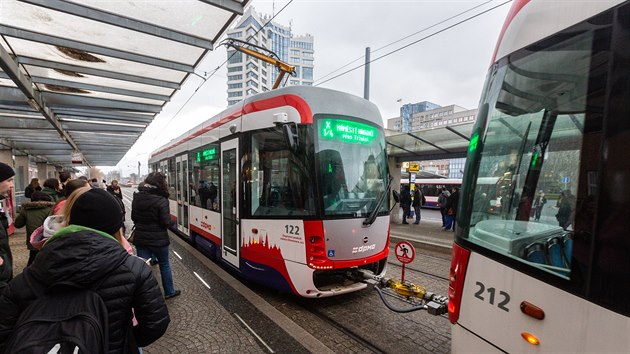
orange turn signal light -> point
(532, 310)
(530, 338)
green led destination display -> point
(347, 131)
(207, 155)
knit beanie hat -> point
(97, 209)
(6, 172)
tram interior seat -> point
(554, 251)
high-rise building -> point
(248, 75)
(409, 109)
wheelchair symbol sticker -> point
(331, 253)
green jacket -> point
(32, 216)
(52, 193)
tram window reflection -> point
(280, 179)
(205, 174)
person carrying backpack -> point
(82, 268)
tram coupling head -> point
(366, 276)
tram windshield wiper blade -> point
(370, 219)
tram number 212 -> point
(491, 291)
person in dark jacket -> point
(6, 258)
(64, 178)
(405, 203)
(32, 187)
(451, 206)
(151, 216)
(32, 216)
(51, 187)
(86, 254)
(417, 203)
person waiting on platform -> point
(64, 178)
(86, 255)
(405, 202)
(151, 216)
(6, 257)
(51, 187)
(32, 188)
(418, 201)
(32, 216)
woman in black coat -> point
(86, 255)
(151, 217)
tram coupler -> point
(416, 295)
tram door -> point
(182, 192)
(229, 199)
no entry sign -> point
(404, 252)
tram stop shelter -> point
(81, 80)
(445, 142)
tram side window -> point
(281, 180)
(171, 179)
(206, 173)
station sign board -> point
(77, 158)
(414, 167)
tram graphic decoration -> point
(405, 253)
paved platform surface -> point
(215, 313)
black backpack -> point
(61, 322)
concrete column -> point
(42, 172)
(394, 171)
(6, 156)
(21, 174)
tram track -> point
(407, 268)
(372, 347)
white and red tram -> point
(288, 187)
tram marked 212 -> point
(553, 121)
(289, 188)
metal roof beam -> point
(123, 22)
(64, 112)
(227, 5)
(4, 75)
(428, 142)
(97, 72)
(63, 100)
(10, 66)
(91, 48)
(99, 88)
(403, 149)
(457, 133)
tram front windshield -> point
(352, 166)
(535, 154)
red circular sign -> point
(404, 252)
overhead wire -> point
(417, 41)
(220, 66)
(406, 37)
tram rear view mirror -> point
(290, 133)
(396, 196)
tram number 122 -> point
(292, 229)
(491, 291)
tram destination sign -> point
(206, 155)
(347, 131)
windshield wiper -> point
(370, 219)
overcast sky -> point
(447, 68)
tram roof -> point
(89, 76)
(432, 144)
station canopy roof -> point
(445, 142)
(88, 76)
